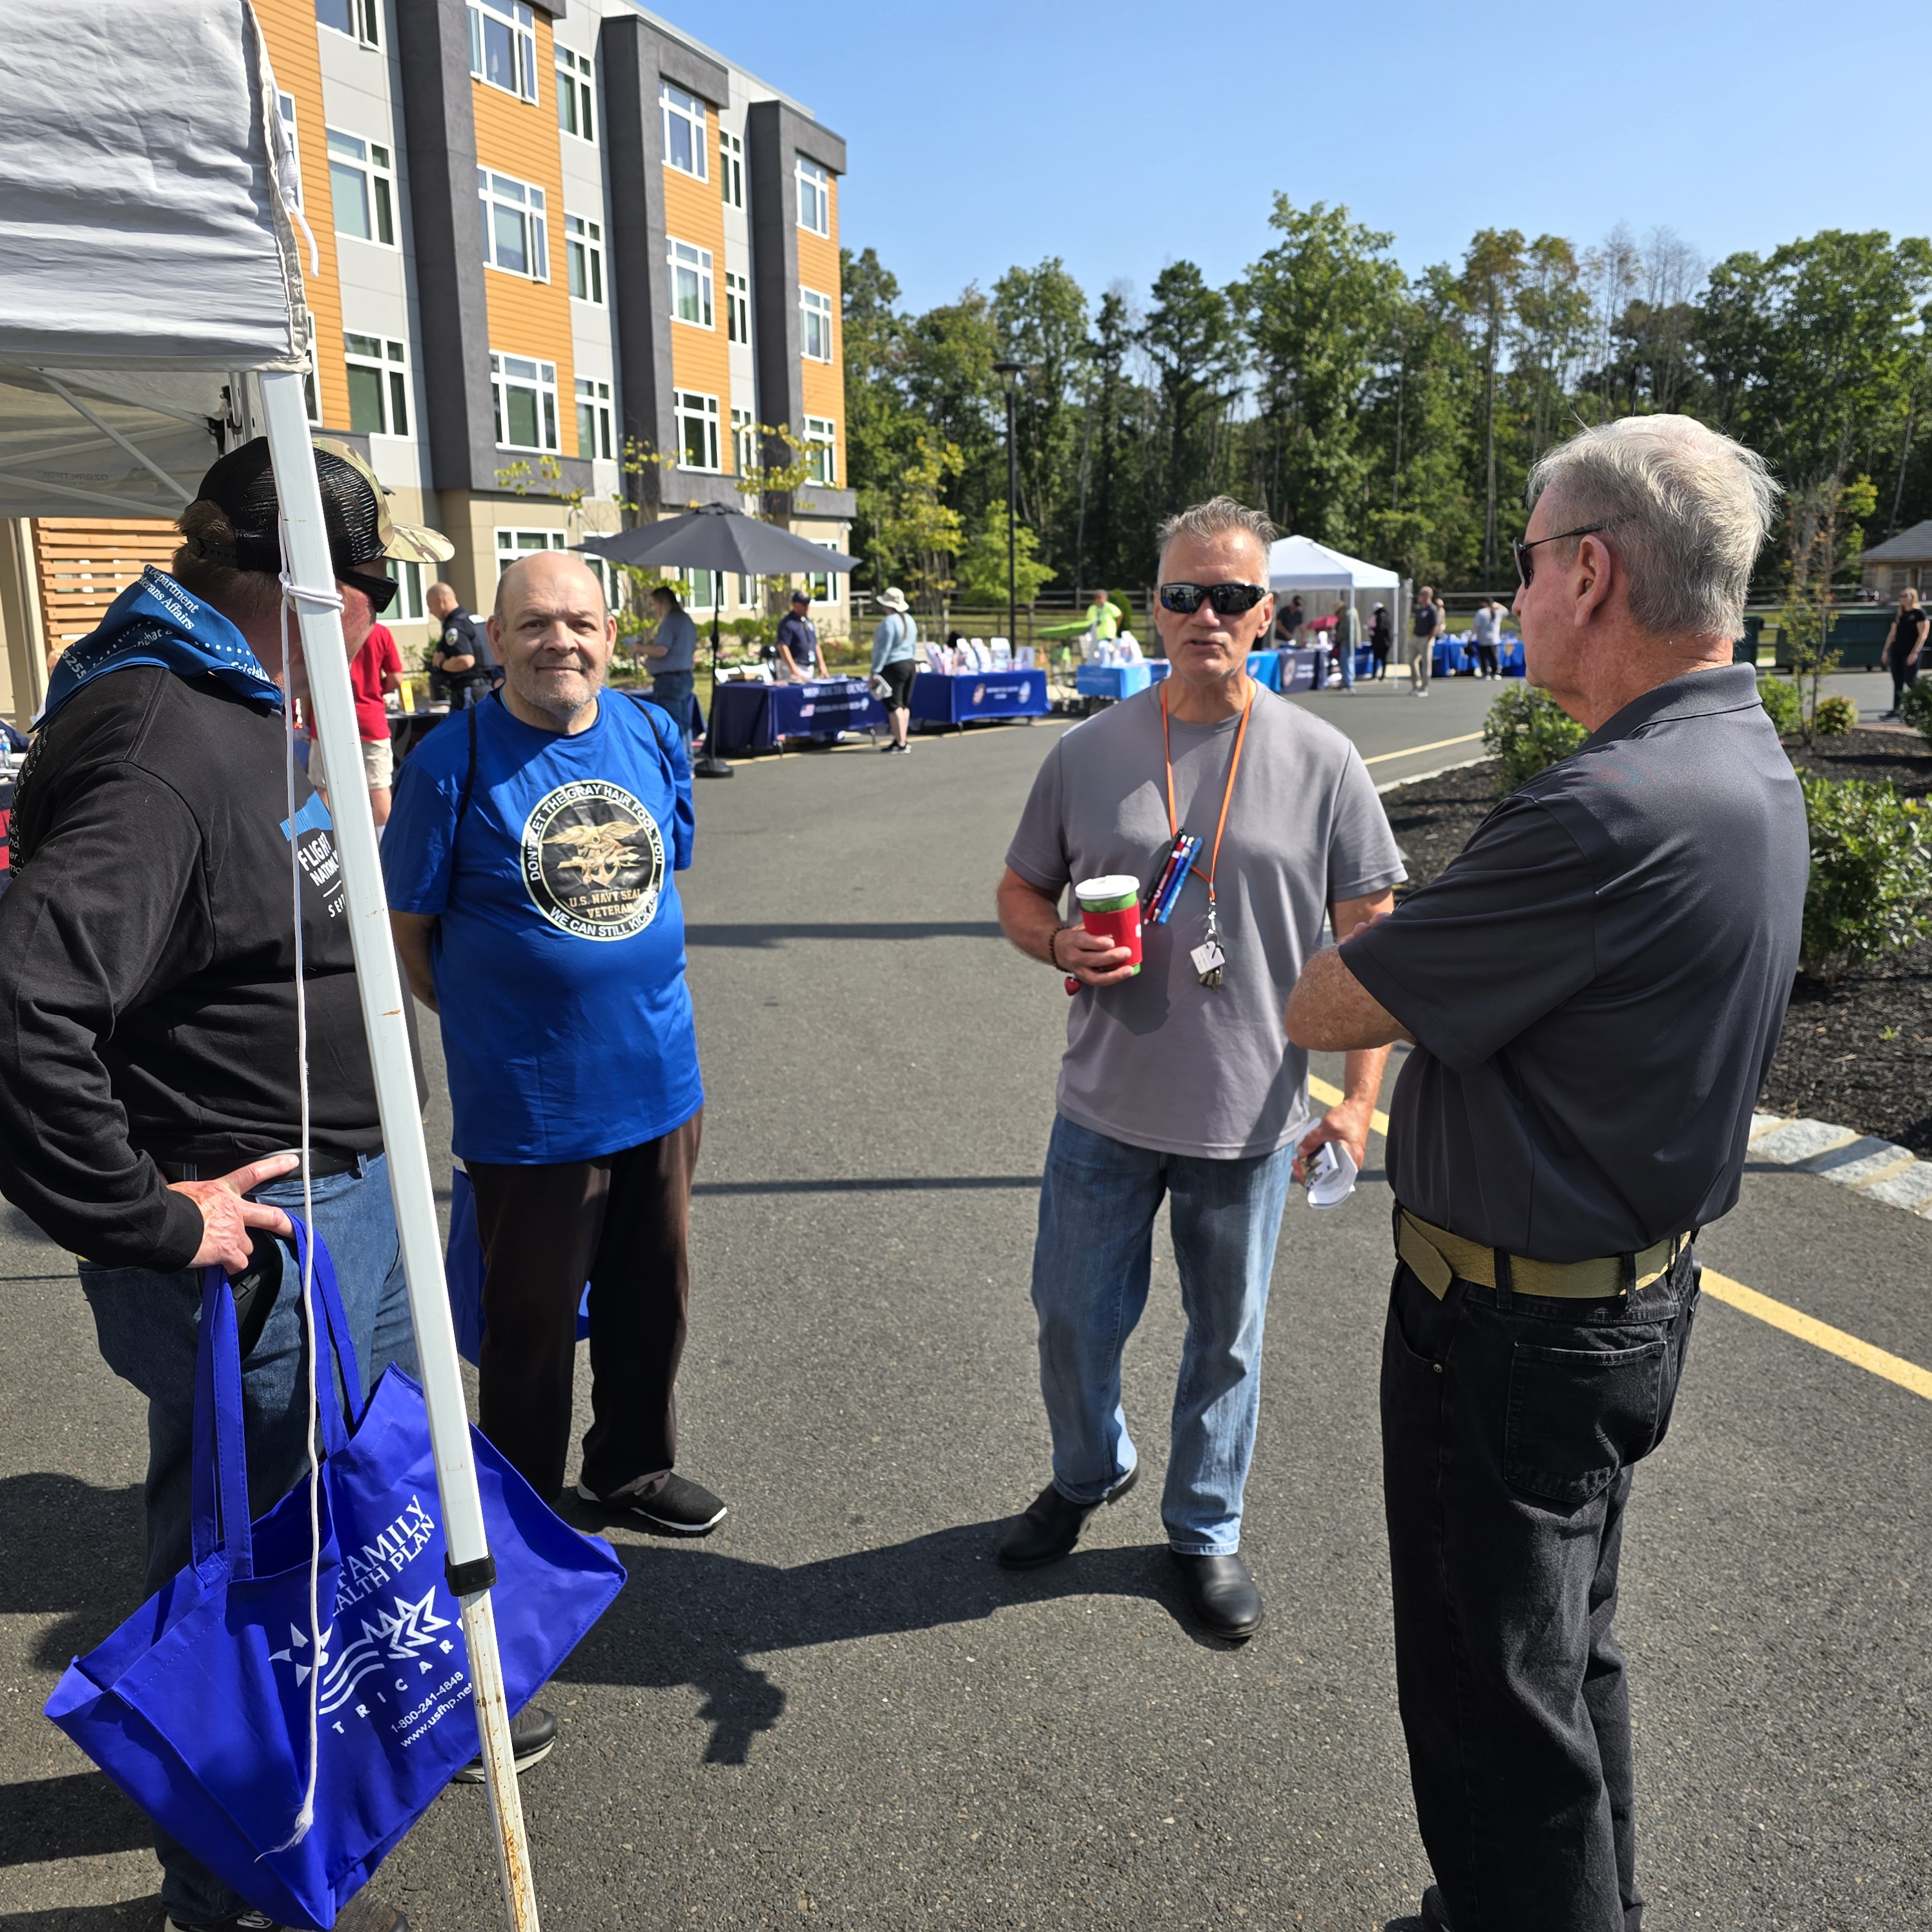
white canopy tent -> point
(151, 315)
(1301, 563)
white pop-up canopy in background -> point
(152, 316)
(1301, 563)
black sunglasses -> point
(1525, 570)
(1226, 600)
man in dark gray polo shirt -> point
(1594, 988)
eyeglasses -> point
(1525, 570)
(1226, 600)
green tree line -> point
(1392, 416)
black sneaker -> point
(361, 1914)
(680, 1508)
(1435, 1913)
(532, 1738)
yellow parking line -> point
(1441, 744)
(1748, 1301)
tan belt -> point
(1438, 1256)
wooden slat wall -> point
(83, 563)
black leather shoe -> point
(1051, 1526)
(1221, 1594)
(1435, 1913)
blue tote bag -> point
(462, 1272)
(198, 1707)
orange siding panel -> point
(822, 384)
(290, 28)
(529, 318)
(700, 359)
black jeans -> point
(1509, 1425)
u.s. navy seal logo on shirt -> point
(593, 860)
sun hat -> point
(893, 598)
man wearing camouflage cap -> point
(149, 1094)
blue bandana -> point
(156, 621)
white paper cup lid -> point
(1110, 885)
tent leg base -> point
(711, 767)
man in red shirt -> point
(376, 669)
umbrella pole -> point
(711, 766)
(470, 1570)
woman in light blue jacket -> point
(895, 663)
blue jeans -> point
(1346, 655)
(148, 1324)
(671, 691)
(1091, 1266)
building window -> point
(821, 450)
(691, 284)
(584, 250)
(358, 18)
(379, 385)
(362, 186)
(523, 394)
(737, 307)
(731, 168)
(744, 447)
(593, 418)
(409, 591)
(748, 593)
(821, 586)
(697, 431)
(576, 94)
(814, 197)
(513, 231)
(703, 589)
(684, 144)
(814, 312)
(503, 46)
(511, 544)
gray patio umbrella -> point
(713, 537)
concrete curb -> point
(1879, 1169)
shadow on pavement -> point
(774, 935)
(124, 1918)
(696, 1618)
(71, 1549)
(880, 1184)
(79, 1817)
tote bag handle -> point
(220, 1452)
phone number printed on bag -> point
(593, 860)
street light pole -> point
(1008, 374)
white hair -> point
(1218, 517)
(1686, 509)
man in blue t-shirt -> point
(530, 861)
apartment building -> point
(545, 235)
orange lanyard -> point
(1227, 797)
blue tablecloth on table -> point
(1099, 680)
(1450, 657)
(940, 700)
(1264, 667)
(751, 716)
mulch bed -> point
(1858, 1052)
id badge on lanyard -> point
(1209, 961)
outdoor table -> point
(408, 729)
(749, 714)
(1113, 681)
(940, 700)
(1264, 667)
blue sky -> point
(984, 132)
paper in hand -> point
(1331, 1175)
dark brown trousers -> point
(622, 1223)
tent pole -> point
(305, 545)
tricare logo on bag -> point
(378, 1674)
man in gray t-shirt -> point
(1172, 1086)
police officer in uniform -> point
(462, 655)
(1594, 988)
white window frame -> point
(409, 607)
(508, 371)
(822, 586)
(368, 16)
(821, 436)
(583, 258)
(815, 307)
(814, 197)
(513, 544)
(369, 162)
(737, 307)
(521, 24)
(744, 435)
(689, 406)
(710, 596)
(730, 167)
(595, 396)
(683, 258)
(675, 102)
(525, 200)
(576, 95)
(391, 361)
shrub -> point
(1835, 716)
(1870, 888)
(1525, 732)
(1915, 706)
(1783, 702)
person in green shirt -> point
(1103, 618)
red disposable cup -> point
(1110, 908)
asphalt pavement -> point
(838, 1708)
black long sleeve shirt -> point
(147, 966)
